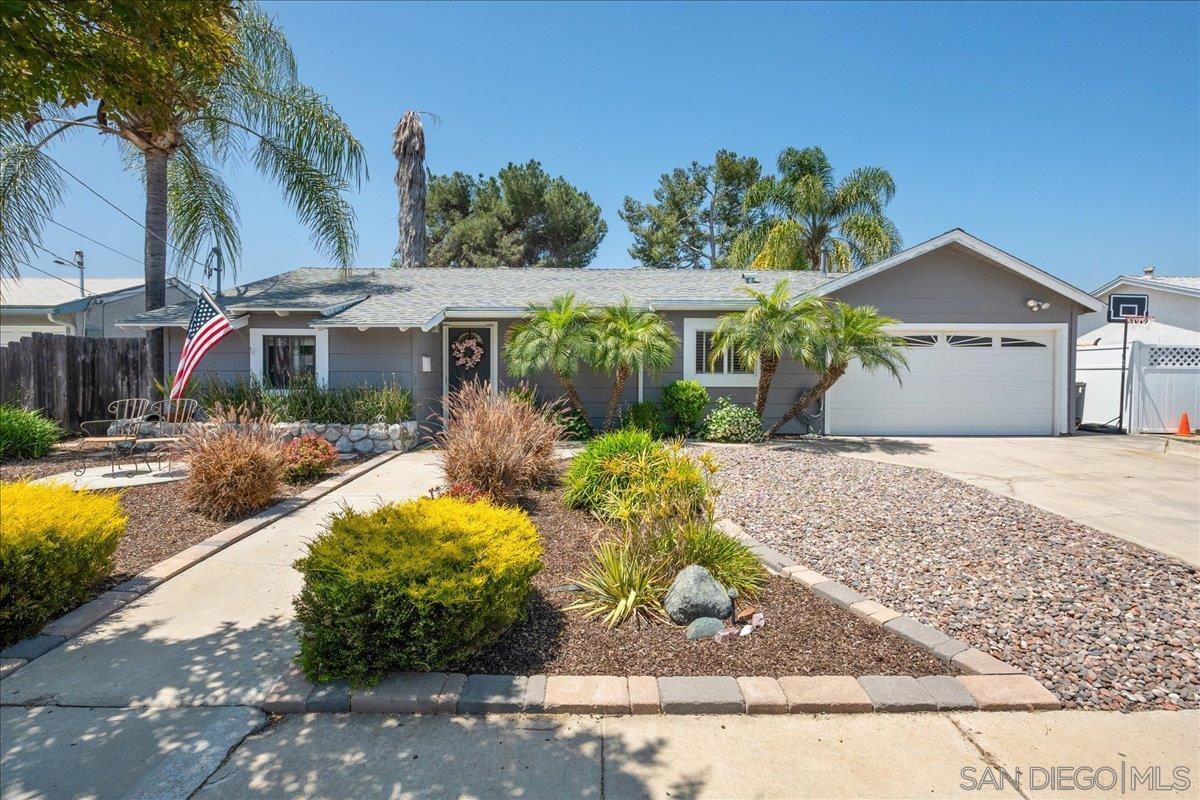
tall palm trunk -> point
(156, 258)
(614, 400)
(767, 366)
(573, 394)
(408, 145)
(808, 398)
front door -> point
(468, 356)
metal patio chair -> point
(121, 432)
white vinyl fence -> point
(1164, 383)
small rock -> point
(746, 630)
(344, 445)
(704, 627)
(744, 613)
(566, 587)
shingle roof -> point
(417, 297)
(1187, 284)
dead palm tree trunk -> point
(408, 145)
(156, 258)
(808, 398)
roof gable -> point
(1177, 284)
(979, 247)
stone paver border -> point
(454, 693)
(79, 619)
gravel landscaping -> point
(803, 635)
(1103, 623)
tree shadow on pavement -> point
(844, 445)
(368, 756)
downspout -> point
(72, 326)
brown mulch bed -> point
(804, 634)
(160, 524)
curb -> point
(474, 695)
(77, 620)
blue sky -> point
(1068, 135)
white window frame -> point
(321, 335)
(692, 326)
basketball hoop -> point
(1139, 319)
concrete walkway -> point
(157, 701)
(1144, 489)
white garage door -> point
(959, 383)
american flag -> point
(209, 325)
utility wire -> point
(69, 261)
(121, 211)
(90, 239)
(56, 277)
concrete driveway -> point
(1144, 489)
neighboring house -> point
(49, 305)
(1174, 305)
(982, 360)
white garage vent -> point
(919, 340)
(969, 341)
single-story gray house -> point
(991, 335)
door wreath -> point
(467, 351)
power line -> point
(90, 239)
(121, 211)
(69, 261)
(56, 277)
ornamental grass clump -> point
(308, 457)
(414, 587)
(498, 443)
(25, 433)
(235, 468)
(588, 479)
(56, 545)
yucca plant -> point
(622, 582)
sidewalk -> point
(158, 701)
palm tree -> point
(257, 110)
(628, 338)
(807, 220)
(555, 337)
(844, 334)
(765, 332)
(408, 145)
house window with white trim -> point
(708, 366)
(285, 357)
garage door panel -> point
(947, 390)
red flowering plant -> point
(307, 457)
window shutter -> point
(702, 342)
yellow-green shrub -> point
(412, 586)
(56, 544)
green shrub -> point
(732, 423)
(413, 586)
(647, 417)
(731, 562)
(308, 401)
(654, 488)
(684, 403)
(25, 433)
(308, 457)
(56, 544)
(621, 583)
(588, 480)
(576, 424)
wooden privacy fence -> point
(73, 378)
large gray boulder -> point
(695, 593)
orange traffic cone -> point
(1185, 427)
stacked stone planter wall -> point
(349, 439)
